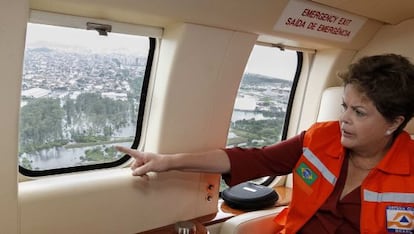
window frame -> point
(154, 34)
(289, 108)
(269, 180)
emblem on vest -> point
(400, 219)
(307, 174)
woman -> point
(349, 176)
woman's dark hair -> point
(388, 80)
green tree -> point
(256, 133)
(70, 110)
(100, 117)
(41, 124)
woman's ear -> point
(395, 124)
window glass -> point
(80, 96)
(262, 101)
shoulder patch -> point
(306, 173)
(400, 219)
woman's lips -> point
(346, 133)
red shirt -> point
(334, 216)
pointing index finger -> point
(126, 150)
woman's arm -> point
(273, 160)
(214, 161)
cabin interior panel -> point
(197, 72)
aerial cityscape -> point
(81, 92)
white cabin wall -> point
(197, 79)
(258, 17)
(13, 18)
(112, 202)
(199, 69)
(392, 39)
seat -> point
(330, 105)
(262, 221)
(252, 222)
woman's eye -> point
(343, 106)
(359, 113)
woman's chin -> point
(347, 143)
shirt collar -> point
(397, 159)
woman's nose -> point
(344, 117)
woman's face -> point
(363, 128)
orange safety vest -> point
(387, 193)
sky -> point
(68, 37)
(263, 60)
(272, 62)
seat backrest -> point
(330, 105)
(410, 128)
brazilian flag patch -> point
(306, 173)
